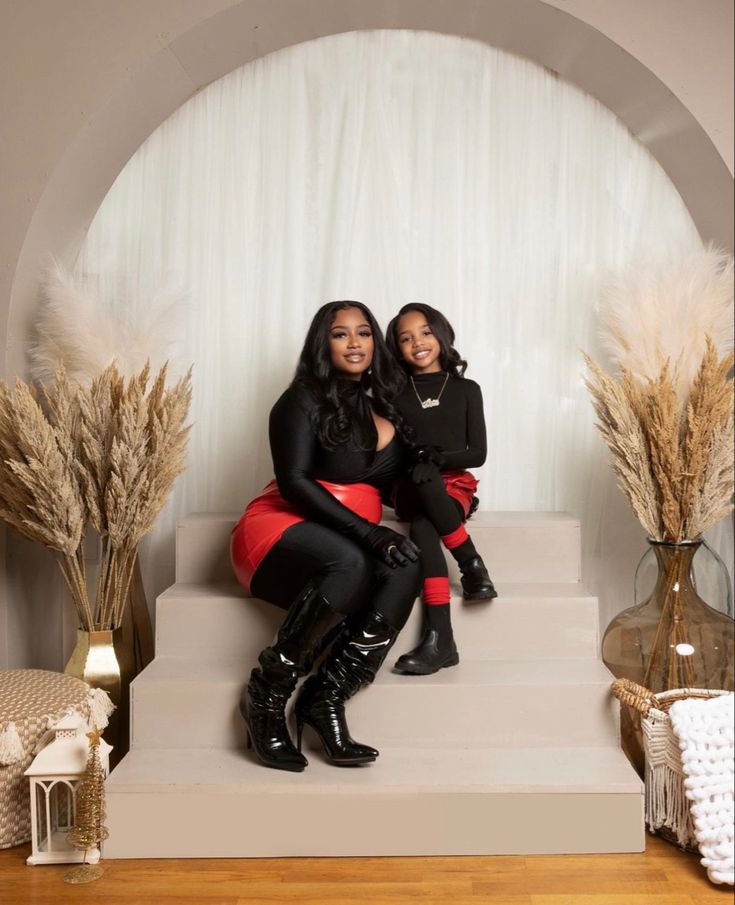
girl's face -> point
(419, 347)
(351, 343)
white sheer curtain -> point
(389, 167)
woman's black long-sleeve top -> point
(300, 460)
(456, 426)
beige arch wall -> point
(85, 81)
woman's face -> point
(351, 343)
(419, 347)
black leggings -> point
(432, 513)
(349, 577)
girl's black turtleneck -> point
(456, 425)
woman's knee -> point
(411, 575)
(347, 580)
(357, 564)
(402, 584)
(398, 593)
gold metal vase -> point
(103, 660)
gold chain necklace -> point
(430, 403)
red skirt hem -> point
(267, 517)
(461, 486)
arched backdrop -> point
(389, 166)
(104, 76)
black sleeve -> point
(294, 448)
(476, 452)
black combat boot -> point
(476, 583)
(436, 649)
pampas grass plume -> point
(73, 326)
(668, 416)
(654, 314)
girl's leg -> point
(447, 516)
(320, 577)
(436, 649)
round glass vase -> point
(709, 576)
(671, 640)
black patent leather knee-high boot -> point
(353, 662)
(264, 699)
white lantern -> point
(55, 775)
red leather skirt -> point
(269, 515)
(461, 486)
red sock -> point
(435, 591)
(455, 538)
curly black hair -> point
(449, 358)
(332, 417)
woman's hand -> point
(393, 548)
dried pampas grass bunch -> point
(104, 455)
(668, 416)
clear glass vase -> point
(709, 577)
(673, 639)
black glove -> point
(423, 472)
(433, 454)
(393, 548)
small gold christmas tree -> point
(89, 829)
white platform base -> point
(513, 751)
(220, 803)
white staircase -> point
(514, 751)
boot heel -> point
(299, 733)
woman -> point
(311, 543)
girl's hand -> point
(433, 454)
(423, 472)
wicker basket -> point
(667, 807)
(33, 700)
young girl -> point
(444, 409)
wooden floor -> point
(661, 876)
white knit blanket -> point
(704, 729)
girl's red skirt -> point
(269, 515)
(461, 486)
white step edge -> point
(221, 803)
(203, 621)
(517, 546)
(181, 703)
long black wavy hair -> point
(449, 358)
(333, 417)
